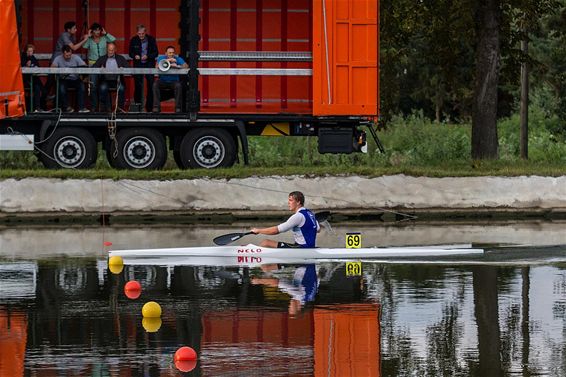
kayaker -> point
(302, 222)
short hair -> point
(168, 47)
(66, 48)
(139, 27)
(69, 25)
(30, 46)
(95, 26)
(298, 196)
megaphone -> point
(164, 65)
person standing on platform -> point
(143, 51)
(96, 46)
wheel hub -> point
(209, 152)
(139, 152)
(69, 152)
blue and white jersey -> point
(304, 226)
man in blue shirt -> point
(302, 222)
(168, 81)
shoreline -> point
(353, 198)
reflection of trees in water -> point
(401, 358)
(444, 353)
(443, 339)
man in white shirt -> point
(302, 222)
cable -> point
(406, 215)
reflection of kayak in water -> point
(251, 252)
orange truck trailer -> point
(255, 68)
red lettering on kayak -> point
(246, 259)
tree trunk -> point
(486, 310)
(484, 113)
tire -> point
(177, 158)
(207, 148)
(139, 148)
(71, 148)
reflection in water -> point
(63, 316)
(302, 288)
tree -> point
(485, 144)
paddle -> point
(225, 239)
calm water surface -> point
(63, 313)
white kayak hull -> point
(252, 252)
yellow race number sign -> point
(353, 240)
(353, 268)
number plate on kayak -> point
(353, 240)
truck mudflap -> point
(12, 97)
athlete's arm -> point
(296, 220)
(267, 231)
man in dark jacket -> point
(111, 61)
(143, 50)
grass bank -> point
(414, 146)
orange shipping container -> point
(340, 38)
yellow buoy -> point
(151, 309)
(115, 264)
(151, 324)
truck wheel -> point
(72, 148)
(208, 148)
(140, 148)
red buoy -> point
(185, 354)
(185, 366)
(132, 289)
(107, 243)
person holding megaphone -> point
(171, 82)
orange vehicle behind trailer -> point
(256, 67)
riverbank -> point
(267, 196)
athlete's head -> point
(298, 197)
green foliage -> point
(428, 59)
(414, 145)
(549, 63)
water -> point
(63, 313)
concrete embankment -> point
(545, 196)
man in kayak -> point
(302, 222)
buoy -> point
(186, 366)
(132, 289)
(185, 354)
(115, 264)
(107, 243)
(151, 324)
(151, 309)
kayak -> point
(253, 252)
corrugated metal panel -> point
(345, 56)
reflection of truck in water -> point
(288, 68)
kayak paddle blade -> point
(225, 239)
(322, 216)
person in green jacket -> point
(96, 46)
